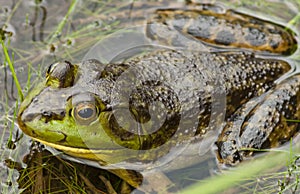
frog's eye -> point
(51, 68)
(60, 75)
(85, 113)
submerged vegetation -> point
(34, 34)
(277, 172)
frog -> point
(148, 106)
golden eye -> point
(60, 75)
(51, 68)
(85, 113)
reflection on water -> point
(30, 24)
(39, 10)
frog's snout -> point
(43, 114)
(28, 117)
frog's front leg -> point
(267, 125)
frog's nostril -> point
(58, 114)
(46, 113)
(62, 113)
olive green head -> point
(63, 111)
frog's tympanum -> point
(161, 99)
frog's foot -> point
(228, 153)
(228, 144)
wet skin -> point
(163, 98)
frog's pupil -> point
(86, 113)
(50, 69)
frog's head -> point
(71, 111)
(64, 113)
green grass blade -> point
(12, 69)
(63, 22)
(236, 176)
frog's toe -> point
(228, 153)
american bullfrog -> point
(146, 107)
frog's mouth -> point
(104, 156)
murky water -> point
(37, 41)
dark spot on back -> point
(201, 26)
(225, 38)
(256, 37)
(274, 44)
(199, 33)
(274, 31)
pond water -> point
(39, 33)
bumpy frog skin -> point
(79, 107)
